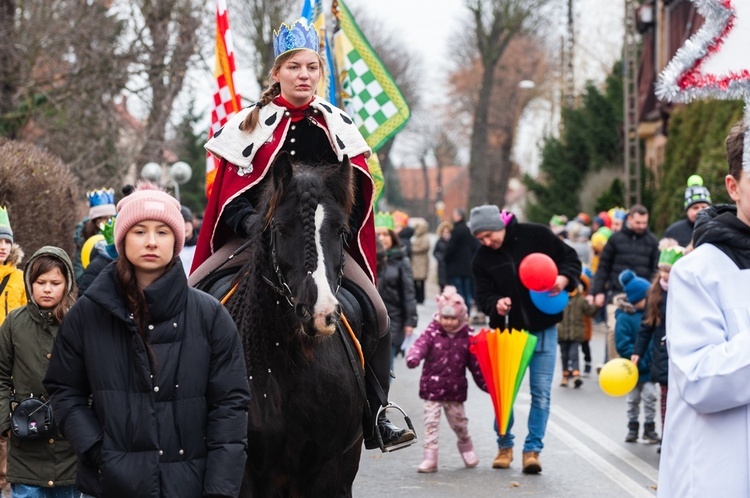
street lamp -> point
(178, 174)
(152, 172)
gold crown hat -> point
(6, 232)
(384, 220)
(300, 35)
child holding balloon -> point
(628, 318)
(444, 347)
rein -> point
(282, 287)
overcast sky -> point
(427, 26)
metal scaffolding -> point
(569, 90)
(630, 86)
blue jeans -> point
(24, 491)
(541, 370)
(465, 287)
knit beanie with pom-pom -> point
(635, 287)
(450, 303)
(149, 203)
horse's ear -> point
(344, 188)
(345, 170)
(282, 171)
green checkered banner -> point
(368, 91)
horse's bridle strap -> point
(282, 287)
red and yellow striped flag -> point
(226, 99)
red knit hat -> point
(148, 202)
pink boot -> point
(467, 453)
(429, 465)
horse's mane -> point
(254, 304)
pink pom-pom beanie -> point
(450, 303)
(148, 202)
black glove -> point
(250, 222)
(239, 215)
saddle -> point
(360, 313)
(214, 276)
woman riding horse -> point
(304, 424)
(289, 117)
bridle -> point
(282, 287)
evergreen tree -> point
(697, 133)
(590, 141)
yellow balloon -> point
(618, 377)
(88, 246)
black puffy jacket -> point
(655, 337)
(177, 429)
(396, 287)
(460, 251)
(496, 275)
(625, 250)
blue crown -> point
(101, 197)
(298, 35)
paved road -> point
(584, 456)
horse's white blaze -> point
(327, 302)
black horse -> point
(305, 419)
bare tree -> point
(167, 35)
(9, 58)
(495, 24)
(253, 23)
(61, 66)
(524, 59)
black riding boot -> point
(380, 363)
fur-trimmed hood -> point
(15, 256)
(622, 303)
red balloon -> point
(537, 272)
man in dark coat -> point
(502, 297)
(697, 198)
(634, 247)
(458, 255)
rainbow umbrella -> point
(503, 358)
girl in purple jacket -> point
(444, 347)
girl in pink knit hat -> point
(444, 347)
(163, 363)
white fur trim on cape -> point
(239, 147)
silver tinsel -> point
(696, 49)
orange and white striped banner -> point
(226, 100)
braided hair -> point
(272, 91)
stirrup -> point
(379, 437)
